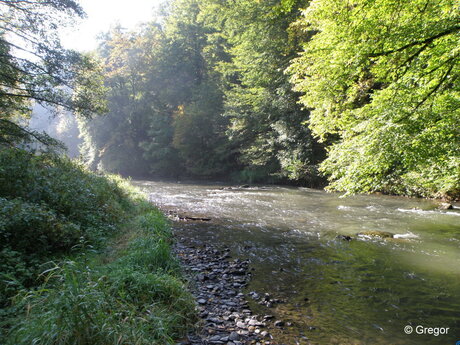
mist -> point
(61, 126)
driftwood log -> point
(203, 219)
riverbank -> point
(84, 258)
(217, 282)
(133, 292)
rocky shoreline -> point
(217, 282)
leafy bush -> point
(35, 229)
(49, 205)
(29, 233)
(65, 186)
(16, 271)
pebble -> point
(240, 324)
(279, 323)
(233, 336)
(218, 281)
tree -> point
(187, 133)
(199, 134)
(210, 95)
(266, 123)
(382, 80)
(35, 68)
(111, 142)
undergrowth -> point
(84, 259)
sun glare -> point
(101, 15)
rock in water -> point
(445, 206)
(375, 234)
(344, 237)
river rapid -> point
(363, 291)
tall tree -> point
(382, 78)
(266, 122)
(111, 142)
(35, 67)
(187, 132)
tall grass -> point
(138, 298)
(108, 274)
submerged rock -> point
(375, 234)
(344, 237)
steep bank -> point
(85, 259)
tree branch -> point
(39, 99)
(425, 41)
(26, 133)
(436, 88)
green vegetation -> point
(34, 66)
(60, 283)
(48, 206)
(84, 259)
(204, 95)
(382, 80)
(364, 93)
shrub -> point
(35, 229)
(49, 205)
(52, 208)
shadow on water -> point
(336, 291)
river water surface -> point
(363, 291)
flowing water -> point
(363, 291)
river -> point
(363, 291)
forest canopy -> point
(362, 92)
(382, 81)
(360, 95)
(206, 96)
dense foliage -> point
(365, 92)
(382, 80)
(49, 205)
(59, 282)
(267, 125)
(200, 96)
(255, 90)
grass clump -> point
(60, 282)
